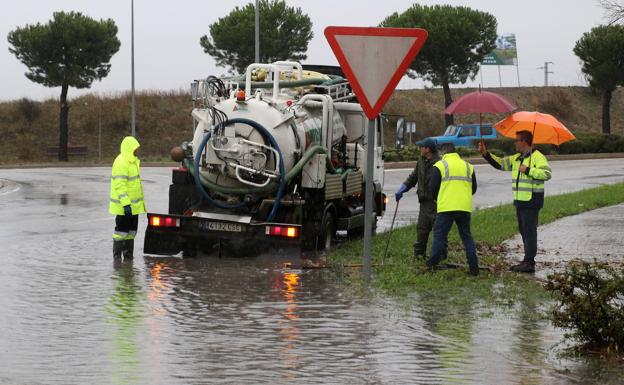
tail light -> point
(282, 231)
(164, 221)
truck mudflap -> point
(169, 234)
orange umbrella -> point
(546, 128)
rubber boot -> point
(128, 251)
(118, 248)
(525, 266)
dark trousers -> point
(443, 223)
(125, 227)
(426, 219)
(527, 224)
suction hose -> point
(250, 190)
(267, 135)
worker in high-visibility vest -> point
(126, 198)
(529, 170)
(453, 182)
(421, 176)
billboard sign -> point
(505, 52)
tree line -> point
(74, 50)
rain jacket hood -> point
(126, 188)
(128, 145)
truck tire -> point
(327, 234)
(358, 232)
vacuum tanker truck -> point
(278, 156)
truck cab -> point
(465, 135)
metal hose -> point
(267, 135)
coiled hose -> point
(267, 135)
(296, 170)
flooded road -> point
(69, 316)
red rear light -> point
(162, 221)
(282, 231)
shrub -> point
(591, 304)
(28, 109)
(557, 102)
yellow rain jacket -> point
(126, 188)
(525, 185)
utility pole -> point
(133, 120)
(257, 33)
(546, 72)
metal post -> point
(100, 132)
(257, 33)
(481, 73)
(368, 198)
(133, 120)
(546, 72)
(500, 80)
(518, 73)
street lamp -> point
(132, 65)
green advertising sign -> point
(505, 53)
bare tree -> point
(614, 10)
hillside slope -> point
(576, 107)
(28, 127)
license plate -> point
(220, 226)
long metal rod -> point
(133, 119)
(368, 198)
(257, 34)
(390, 234)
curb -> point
(555, 158)
(387, 165)
(80, 164)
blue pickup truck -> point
(466, 135)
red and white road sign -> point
(374, 60)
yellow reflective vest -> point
(126, 188)
(522, 185)
(455, 183)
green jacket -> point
(126, 188)
(420, 177)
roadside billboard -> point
(505, 53)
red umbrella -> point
(480, 102)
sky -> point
(168, 55)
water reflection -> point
(288, 283)
(125, 312)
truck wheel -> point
(327, 234)
(190, 251)
(358, 232)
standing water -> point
(70, 316)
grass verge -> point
(401, 273)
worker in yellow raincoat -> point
(126, 198)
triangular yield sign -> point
(374, 60)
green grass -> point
(401, 273)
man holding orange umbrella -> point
(529, 170)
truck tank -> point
(276, 157)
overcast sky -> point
(168, 55)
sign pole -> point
(374, 60)
(368, 198)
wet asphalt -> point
(70, 316)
